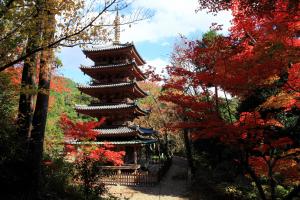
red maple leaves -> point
(81, 131)
(260, 56)
(84, 131)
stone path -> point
(174, 186)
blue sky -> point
(153, 38)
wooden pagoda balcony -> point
(123, 167)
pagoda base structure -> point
(133, 140)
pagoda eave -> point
(137, 55)
(120, 90)
(124, 69)
(124, 131)
(120, 135)
(117, 132)
(118, 114)
(125, 143)
(96, 53)
(122, 111)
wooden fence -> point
(137, 178)
(132, 179)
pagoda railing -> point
(143, 178)
(131, 179)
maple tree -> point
(88, 157)
(84, 131)
(256, 63)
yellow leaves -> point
(273, 122)
(290, 169)
(287, 167)
(281, 100)
(271, 80)
(292, 153)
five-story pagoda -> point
(114, 90)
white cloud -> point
(159, 65)
(172, 17)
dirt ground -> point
(174, 186)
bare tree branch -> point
(66, 40)
(57, 42)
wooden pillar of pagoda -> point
(135, 155)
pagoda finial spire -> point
(117, 27)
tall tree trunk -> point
(26, 105)
(188, 150)
(42, 102)
(28, 83)
(39, 121)
(256, 181)
(245, 163)
(272, 182)
(217, 99)
(27, 93)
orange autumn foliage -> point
(257, 63)
(58, 83)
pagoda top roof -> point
(108, 47)
(105, 66)
(92, 53)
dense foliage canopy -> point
(258, 64)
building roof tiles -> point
(105, 66)
(138, 141)
(125, 129)
(119, 130)
(105, 85)
(108, 47)
(104, 107)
